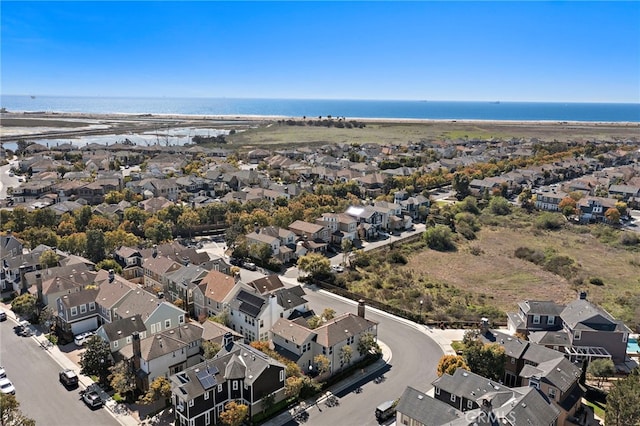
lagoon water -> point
(443, 110)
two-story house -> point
(213, 294)
(182, 282)
(238, 372)
(310, 231)
(252, 314)
(164, 353)
(77, 312)
(156, 270)
(294, 340)
(535, 315)
(120, 332)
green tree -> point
(346, 353)
(118, 238)
(314, 322)
(210, 349)
(10, 414)
(188, 220)
(460, 184)
(601, 369)
(234, 414)
(108, 264)
(75, 243)
(367, 343)
(486, 360)
(159, 388)
(261, 251)
(439, 238)
(450, 363)
(46, 317)
(322, 363)
(346, 246)
(623, 401)
(328, 314)
(25, 305)
(96, 359)
(314, 264)
(36, 236)
(96, 245)
(49, 259)
(83, 216)
(123, 378)
(293, 386)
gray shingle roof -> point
(124, 327)
(424, 409)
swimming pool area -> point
(632, 346)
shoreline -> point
(258, 118)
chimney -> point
(39, 286)
(256, 228)
(486, 406)
(361, 307)
(112, 275)
(23, 281)
(155, 251)
(137, 352)
(583, 295)
(227, 340)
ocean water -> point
(518, 111)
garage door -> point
(89, 324)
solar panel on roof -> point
(250, 298)
(249, 309)
(213, 370)
(205, 378)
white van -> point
(82, 338)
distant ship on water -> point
(33, 97)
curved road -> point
(414, 360)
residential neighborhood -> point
(190, 274)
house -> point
(295, 341)
(77, 312)
(119, 333)
(156, 270)
(214, 332)
(310, 231)
(253, 315)
(182, 282)
(281, 240)
(593, 209)
(580, 329)
(535, 315)
(549, 198)
(9, 246)
(518, 406)
(237, 373)
(212, 295)
(156, 314)
(163, 354)
(130, 259)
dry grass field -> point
(504, 280)
(278, 135)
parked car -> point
(3, 316)
(23, 328)
(250, 266)
(7, 387)
(69, 378)
(337, 268)
(3, 373)
(92, 399)
(82, 338)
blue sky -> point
(509, 51)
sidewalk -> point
(64, 362)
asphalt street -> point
(35, 376)
(6, 180)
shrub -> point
(629, 239)
(596, 281)
(560, 265)
(550, 221)
(532, 255)
(499, 206)
(439, 238)
(397, 257)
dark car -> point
(92, 399)
(69, 378)
(3, 316)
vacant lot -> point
(275, 134)
(483, 277)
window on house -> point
(128, 339)
(192, 422)
(219, 388)
(153, 328)
(513, 360)
(437, 391)
(92, 306)
(207, 418)
(282, 375)
(470, 404)
(552, 393)
(74, 311)
(536, 319)
(167, 323)
(453, 398)
(206, 395)
(191, 403)
(235, 385)
(577, 335)
(115, 344)
(83, 309)
(181, 319)
(624, 337)
(551, 320)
